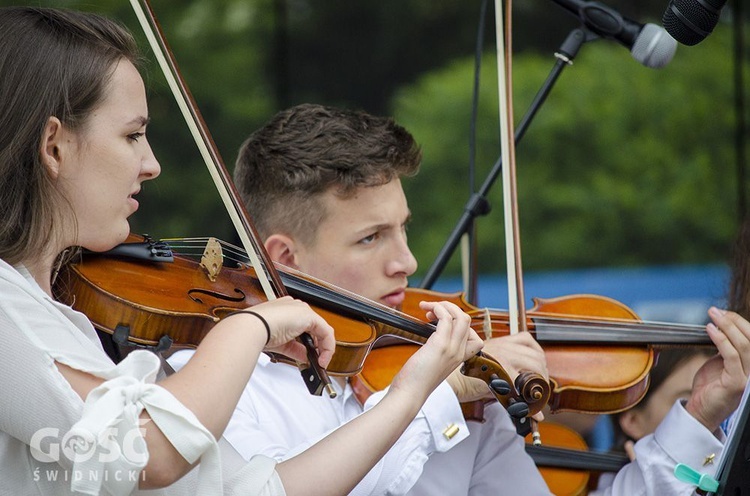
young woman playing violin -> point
(73, 156)
(324, 186)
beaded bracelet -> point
(265, 322)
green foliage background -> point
(623, 165)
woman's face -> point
(646, 417)
(104, 164)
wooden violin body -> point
(561, 481)
(565, 462)
(598, 352)
(155, 295)
(175, 296)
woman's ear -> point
(281, 248)
(50, 150)
(632, 423)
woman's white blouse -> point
(51, 442)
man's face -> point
(361, 245)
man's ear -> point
(631, 423)
(281, 248)
(50, 147)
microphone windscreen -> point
(653, 47)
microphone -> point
(649, 44)
(690, 21)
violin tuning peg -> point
(518, 410)
(499, 386)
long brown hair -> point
(53, 62)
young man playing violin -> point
(323, 186)
(363, 249)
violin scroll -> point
(533, 387)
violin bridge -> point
(487, 324)
(212, 259)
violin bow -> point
(516, 304)
(314, 376)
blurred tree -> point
(623, 165)
(381, 45)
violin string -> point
(573, 330)
(623, 324)
(615, 322)
(398, 323)
(392, 317)
(240, 257)
(239, 252)
(613, 330)
(620, 334)
(644, 327)
(620, 328)
(192, 246)
(554, 327)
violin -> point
(132, 292)
(598, 352)
(157, 298)
(565, 462)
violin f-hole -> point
(192, 294)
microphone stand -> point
(477, 204)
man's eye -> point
(368, 239)
(135, 136)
